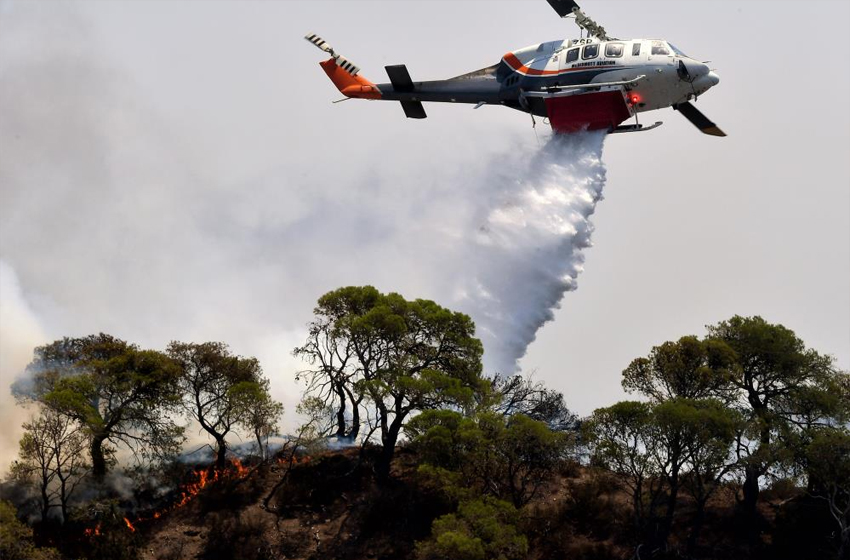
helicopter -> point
(596, 82)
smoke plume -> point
(20, 332)
(118, 218)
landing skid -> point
(635, 128)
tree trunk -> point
(63, 499)
(45, 500)
(672, 499)
(355, 423)
(340, 413)
(98, 460)
(751, 491)
(637, 504)
(389, 440)
(260, 449)
(221, 453)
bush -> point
(482, 529)
(16, 538)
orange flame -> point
(93, 531)
(189, 490)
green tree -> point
(620, 437)
(713, 428)
(406, 356)
(506, 457)
(52, 458)
(481, 529)
(657, 448)
(211, 381)
(258, 412)
(690, 439)
(687, 368)
(331, 353)
(117, 392)
(775, 378)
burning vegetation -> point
(738, 448)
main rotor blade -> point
(698, 119)
(563, 7)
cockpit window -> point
(572, 55)
(659, 48)
(635, 49)
(677, 51)
(590, 51)
(614, 50)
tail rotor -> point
(341, 61)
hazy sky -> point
(176, 170)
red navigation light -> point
(635, 99)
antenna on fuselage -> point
(568, 8)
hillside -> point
(330, 506)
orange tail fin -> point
(350, 85)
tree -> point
(258, 412)
(620, 437)
(688, 368)
(690, 439)
(713, 428)
(52, 458)
(402, 357)
(117, 392)
(656, 448)
(828, 467)
(213, 383)
(521, 395)
(774, 377)
(330, 350)
(506, 457)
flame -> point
(188, 491)
(93, 531)
(303, 460)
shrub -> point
(481, 529)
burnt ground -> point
(331, 507)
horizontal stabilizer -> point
(413, 109)
(400, 78)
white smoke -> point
(527, 251)
(20, 332)
(117, 219)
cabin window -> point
(659, 48)
(590, 51)
(635, 49)
(677, 51)
(614, 50)
(572, 55)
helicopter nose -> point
(705, 81)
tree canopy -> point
(392, 356)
